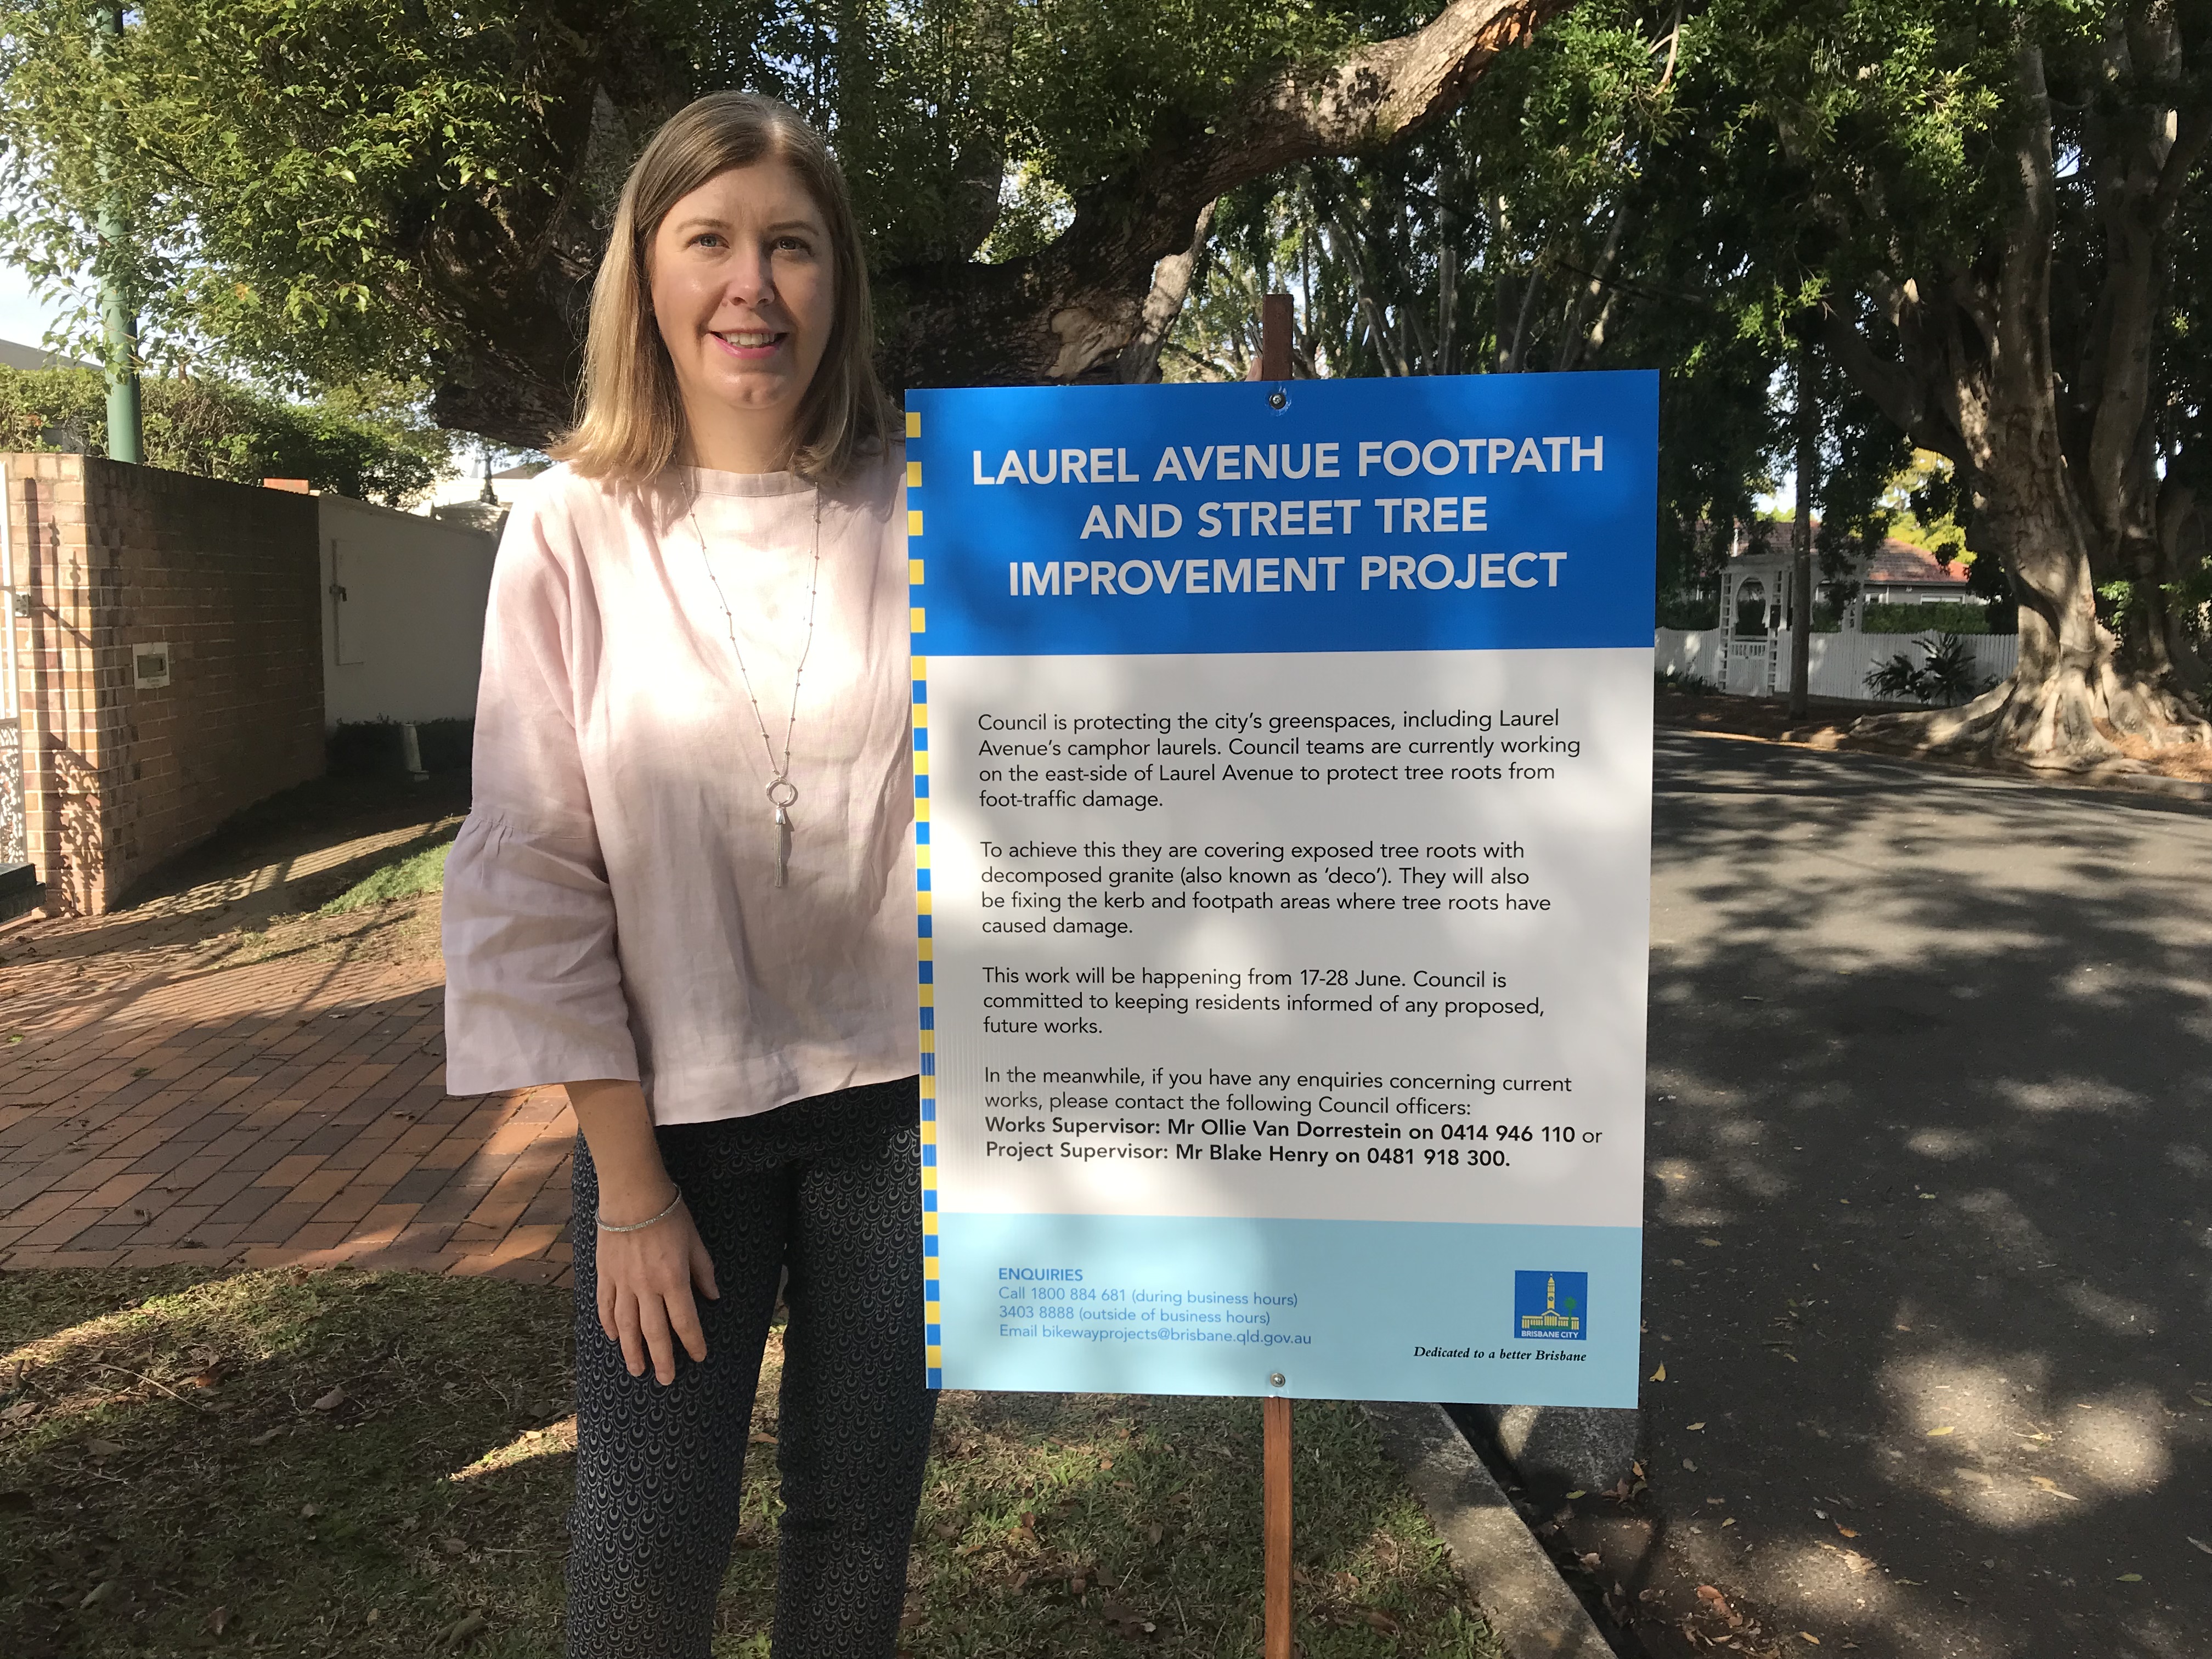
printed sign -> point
(1283, 773)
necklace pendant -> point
(782, 844)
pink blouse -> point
(610, 908)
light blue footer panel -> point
(1344, 1310)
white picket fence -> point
(1759, 666)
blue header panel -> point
(1445, 513)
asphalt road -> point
(1930, 1246)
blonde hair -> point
(630, 416)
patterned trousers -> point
(829, 1188)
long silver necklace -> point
(781, 793)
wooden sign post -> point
(1275, 365)
(1276, 1536)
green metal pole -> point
(126, 430)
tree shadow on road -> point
(1932, 1202)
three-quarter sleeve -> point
(533, 985)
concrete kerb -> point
(1521, 1595)
(1557, 1448)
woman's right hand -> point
(646, 1278)
(645, 1284)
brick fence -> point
(114, 558)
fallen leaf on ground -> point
(2132, 1578)
(760, 1439)
(1726, 1524)
(97, 1594)
(102, 1447)
(452, 1546)
(2045, 1483)
(1127, 1621)
(309, 1511)
(1807, 1635)
(1694, 1427)
(1578, 1494)
(332, 1400)
(1688, 1465)
(1660, 1375)
(19, 1410)
(1945, 1429)
(217, 1620)
(265, 1436)
(2200, 1544)
(1377, 1620)
(466, 1629)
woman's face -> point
(743, 290)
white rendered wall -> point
(405, 639)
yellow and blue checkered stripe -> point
(926, 988)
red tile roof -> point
(1901, 561)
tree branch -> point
(1067, 311)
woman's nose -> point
(751, 277)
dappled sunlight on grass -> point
(361, 1463)
(262, 1456)
(555, 1440)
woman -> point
(686, 892)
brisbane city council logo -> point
(1553, 1306)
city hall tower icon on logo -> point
(1550, 1305)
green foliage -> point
(372, 444)
(299, 174)
(363, 749)
(322, 188)
(1950, 616)
(1945, 673)
(1925, 502)
(1688, 685)
(1691, 613)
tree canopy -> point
(367, 442)
(326, 187)
(1974, 228)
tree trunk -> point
(2141, 149)
(1801, 563)
(1139, 362)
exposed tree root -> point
(2086, 716)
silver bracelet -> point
(640, 1227)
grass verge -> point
(359, 1463)
(419, 869)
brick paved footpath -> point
(207, 1078)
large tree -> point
(1986, 212)
(1976, 203)
(326, 187)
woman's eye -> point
(793, 245)
(706, 238)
